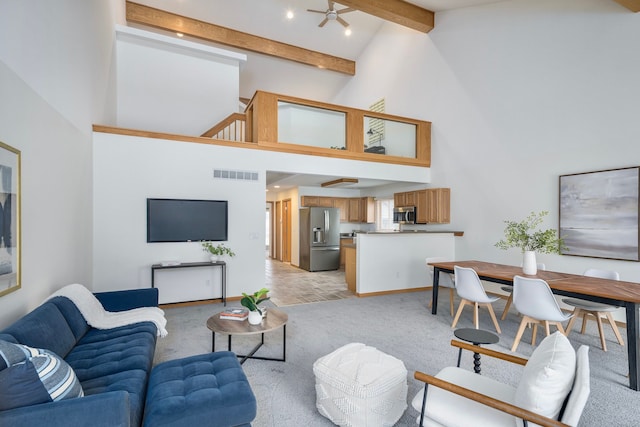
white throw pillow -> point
(547, 377)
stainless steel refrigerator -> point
(319, 239)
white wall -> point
(519, 93)
(53, 75)
(127, 170)
(170, 85)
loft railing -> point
(295, 125)
(232, 128)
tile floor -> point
(291, 285)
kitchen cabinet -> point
(362, 209)
(350, 268)
(433, 206)
(344, 241)
(407, 198)
(342, 204)
(316, 201)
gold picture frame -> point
(10, 231)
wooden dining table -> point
(612, 292)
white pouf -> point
(358, 385)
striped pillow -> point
(42, 376)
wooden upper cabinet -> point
(315, 201)
(433, 205)
(367, 210)
(342, 204)
(354, 210)
(399, 200)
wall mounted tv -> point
(179, 220)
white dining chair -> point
(584, 309)
(445, 281)
(537, 305)
(509, 289)
(471, 292)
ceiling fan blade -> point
(342, 21)
(331, 4)
(317, 11)
(345, 10)
(324, 21)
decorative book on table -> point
(234, 313)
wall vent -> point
(237, 175)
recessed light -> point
(290, 14)
(276, 186)
(347, 32)
(179, 34)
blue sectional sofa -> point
(113, 365)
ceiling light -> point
(289, 14)
(276, 186)
(179, 34)
(347, 32)
(341, 181)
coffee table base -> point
(250, 355)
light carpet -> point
(399, 325)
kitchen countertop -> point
(455, 233)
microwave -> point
(404, 215)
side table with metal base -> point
(475, 337)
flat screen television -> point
(179, 220)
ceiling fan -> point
(331, 14)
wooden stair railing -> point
(232, 128)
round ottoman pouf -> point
(358, 385)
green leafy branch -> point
(524, 235)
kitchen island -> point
(395, 261)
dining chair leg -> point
(546, 327)
(493, 317)
(506, 307)
(560, 328)
(585, 316)
(463, 302)
(576, 314)
(534, 334)
(600, 331)
(523, 325)
(451, 294)
(430, 303)
(616, 331)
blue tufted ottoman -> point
(209, 389)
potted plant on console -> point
(529, 239)
(217, 251)
(252, 301)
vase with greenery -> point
(252, 301)
(526, 236)
(217, 250)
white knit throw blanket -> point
(96, 316)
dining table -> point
(606, 291)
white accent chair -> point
(537, 304)
(470, 290)
(509, 289)
(553, 389)
(445, 281)
(584, 308)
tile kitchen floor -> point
(291, 285)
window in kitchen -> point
(384, 215)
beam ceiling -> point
(633, 5)
(163, 20)
(400, 12)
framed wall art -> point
(9, 219)
(599, 213)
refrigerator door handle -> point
(326, 224)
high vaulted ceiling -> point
(267, 19)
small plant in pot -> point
(529, 239)
(252, 302)
(217, 251)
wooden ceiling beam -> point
(168, 21)
(633, 5)
(399, 12)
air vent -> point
(237, 175)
